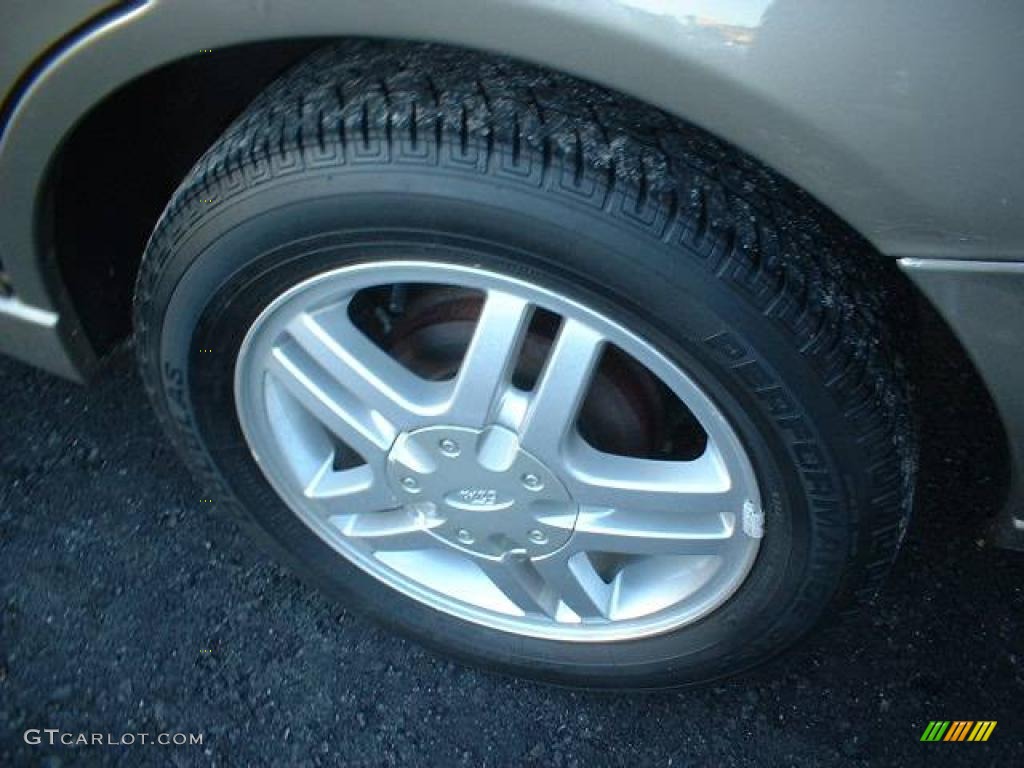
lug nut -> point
(538, 537)
(532, 482)
(464, 536)
(410, 484)
(449, 447)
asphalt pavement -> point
(129, 606)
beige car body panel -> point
(23, 42)
(903, 118)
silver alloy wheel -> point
(480, 499)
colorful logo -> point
(958, 730)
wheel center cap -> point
(480, 492)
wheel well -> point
(116, 171)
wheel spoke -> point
(544, 586)
(571, 577)
(561, 389)
(638, 533)
(693, 488)
(490, 359)
(367, 371)
(352, 491)
(395, 530)
(335, 408)
(519, 581)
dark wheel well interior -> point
(120, 165)
(122, 162)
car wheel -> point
(563, 396)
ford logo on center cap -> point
(477, 500)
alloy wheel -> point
(482, 492)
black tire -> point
(768, 302)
